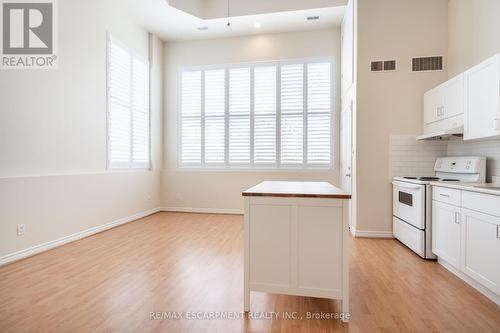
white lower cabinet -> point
(446, 232)
(481, 248)
(468, 239)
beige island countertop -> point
(297, 190)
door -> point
(433, 105)
(481, 248)
(482, 109)
(346, 148)
(409, 203)
(446, 232)
(453, 97)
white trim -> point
(371, 234)
(473, 283)
(11, 257)
(203, 210)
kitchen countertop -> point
(296, 190)
(470, 187)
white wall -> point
(53, 174)
(391, 103)
(222, 189)
(474, 35)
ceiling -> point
(173, 24)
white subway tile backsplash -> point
(490, 149)
(409, 157)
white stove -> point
(412, 199)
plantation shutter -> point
(128, 109)
(191, 117)
(261, 115)
(215, 102)
(239, 116)
(319, 113)
(265, 115)
(292, 114)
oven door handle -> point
(411, 187)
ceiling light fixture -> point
(257, 25)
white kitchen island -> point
(296, 240)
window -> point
(128, 109)
(260, 115)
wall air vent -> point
(383, 66)
(427, 64)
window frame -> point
(129, 166)
(277, 166)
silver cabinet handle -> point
(444, 195)
(457, 218)
(498, 231)
(495, 124)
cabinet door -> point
(482, 109)
(270, 247)
(432, 105)
(446, 232)
(453, 91)
(481, 248)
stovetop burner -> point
(428, 178)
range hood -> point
(445, 134)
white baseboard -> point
(372, 234)
(471, 282)
(9, 258)
(203, 210)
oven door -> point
(409, 203)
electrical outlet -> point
(21, 229)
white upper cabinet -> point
(442, 103)
(433, 101)
(482, 109)
(347, 59)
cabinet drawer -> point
(480, 202)
(446, 195)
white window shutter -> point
(128, 109)
(261, 115)
(265, 115)
(140, 115)
(239, 116)
(319, 109)
(215, 106)
(191, 117)
(292, 114)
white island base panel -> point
(297, 246)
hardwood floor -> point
(178, 262)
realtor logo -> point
(28, 34)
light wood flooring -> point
(178, 262)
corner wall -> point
(221, 190)
(391, 103)
(53, 175)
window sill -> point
(253, 170)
